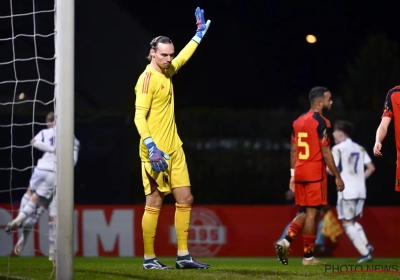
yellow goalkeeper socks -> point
(182, 222)
(149, 227)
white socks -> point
(355, 237)
(52, 235)
(25, 199)
(28, 209)
(361, 232)
(286, 242)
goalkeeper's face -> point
(163, 55)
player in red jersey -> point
(390, 112)
(310, 154)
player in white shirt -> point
(41, 190)
(355, 167)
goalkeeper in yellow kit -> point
(164, 168)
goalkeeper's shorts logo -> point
(207, 234)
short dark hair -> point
(155, 41)
(344, 126)
(317, 92)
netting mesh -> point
(27, 57)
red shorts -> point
(311, 193)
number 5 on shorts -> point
(301, 143)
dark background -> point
(235, 100)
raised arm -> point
(187, 52)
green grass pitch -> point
(221, 268)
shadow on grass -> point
(208, 273)
(117, 274)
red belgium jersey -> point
(393, 97)
(310, 132)
(393, 112)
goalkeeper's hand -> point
(156, 156)
(202, 25)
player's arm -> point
(293, 154)
(382, 129)
(38, 143)
(330, 162)
(293, 158)
(369, 166)
(187, 52)
(336, 157)
(325, 146)
(144, 97)
(383, 126)
(77, 148)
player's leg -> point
(319, 242)
(25, 198)
(42, 185)
(29, 209)
(347, 215)
(155, 189)
(180, 184)
(284, 232)
(310, 234)
(52, 228)
(282, 246)
(27, 225)
(358, 226)
(316, 197)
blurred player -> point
(351, 159)
(390, 112)
(155, 121)
(39, 194)
(319, 242)
(310, 154)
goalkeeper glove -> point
(156, 156)
(202, 25)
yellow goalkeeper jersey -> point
(154, 115)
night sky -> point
(257, 50)
(254, 55)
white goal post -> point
(64, 91)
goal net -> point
(27, 95)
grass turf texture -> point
(221, 268)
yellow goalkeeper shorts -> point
(175, 176)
